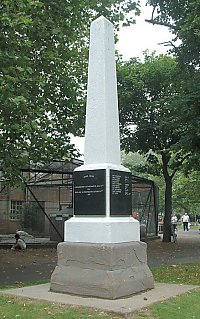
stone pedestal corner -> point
(106, 271)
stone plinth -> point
(106, 271)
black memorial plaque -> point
(120, 193)
(90, 192)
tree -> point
(137, 164)
(32, 218)
(43, 57)
(133, 161)
(151, 98)
(186, 193)
(182, 19)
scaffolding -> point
(145, 205)
(47, 201)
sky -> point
(133, 41)
(143, 35)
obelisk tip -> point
(102, 19)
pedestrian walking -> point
(185, 220)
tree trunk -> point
(168, 198)
(168, 210)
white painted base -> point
(102, 230)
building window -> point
(15, 210)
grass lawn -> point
(187, 274)
(14, 307)
(193, 227)
(186, 306)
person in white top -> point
(20, 243)
(174, 221)
(185, 219)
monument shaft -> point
(102, 121)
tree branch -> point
(161, 23)
(154, 8)
(165, 160)
(168, 43)
(179, 164)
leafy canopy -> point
(43, 58)
(182, 17)
(151, 98)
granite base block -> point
(106, 271)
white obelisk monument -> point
(102, 254)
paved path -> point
(39, 263)
(185, 250)
(123, 306)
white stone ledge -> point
(102, 229)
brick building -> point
(47, 193)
